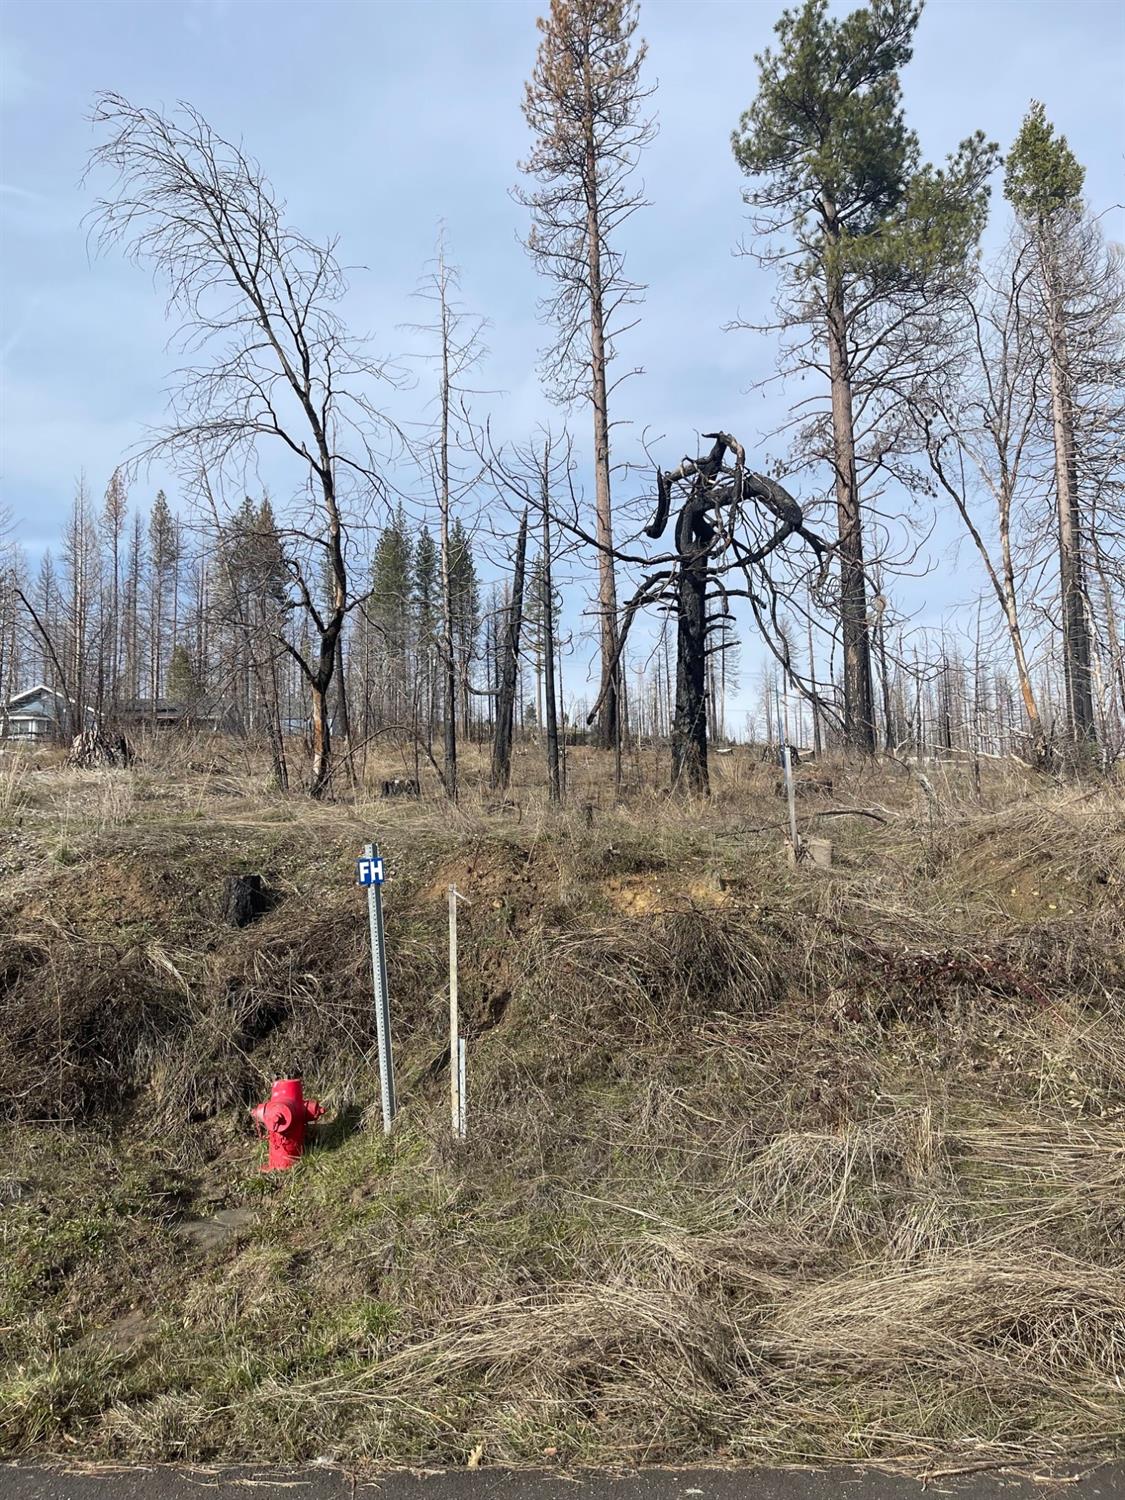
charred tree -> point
(729, 522)
(509, 668)
(550, 709)
(585, 106)
(695, 535)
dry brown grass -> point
(765, 1163)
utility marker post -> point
(369, 872)
(456, 1044)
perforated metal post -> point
(382, 996)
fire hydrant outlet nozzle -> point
(277, 1117)
(284, 1119)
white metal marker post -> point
(369, 872)
(456, 1045)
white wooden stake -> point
(454, 1019)
(456, 1045)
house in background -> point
(164, 714)
(40, 715)
(150, 713)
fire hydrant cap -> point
(277, 1116)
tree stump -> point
(819, 852)
(401, 786)
(245, 899)
(93, 751)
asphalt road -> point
(25, 1482)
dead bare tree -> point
(977, 418)
(459, 349)
(260, 299)
(1090, 333)
(729, 521)
(529, 476)
(13, 569)
(509, 645)
(51, 652)
(585, 103)
(547, 613)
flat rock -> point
(209, 1234)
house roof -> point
(21, 705)
(30, 694)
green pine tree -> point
(164, 558)
(465, 590)
(426, 591)
(856, 222)
(270, 573)
(250, 596)
(1043, 182)
(389, 612)
(426, 602)
(184, 686)
(1043, 179)
(535, 629)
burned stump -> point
(94, 751)
(245, 899)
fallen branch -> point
(877, 814)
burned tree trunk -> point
(859, 702)
(554, 781)
(730, 520)
(694, 537)
(1078, 674)
(509, 669)
(245, 898)
(92, 750)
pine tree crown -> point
(1042, 175)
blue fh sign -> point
(369, 871)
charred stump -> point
(92, 750)
(245, 899)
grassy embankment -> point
(765, 1164)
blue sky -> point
(374, 121)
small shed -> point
(40, 715)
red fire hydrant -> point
(283, 1120)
